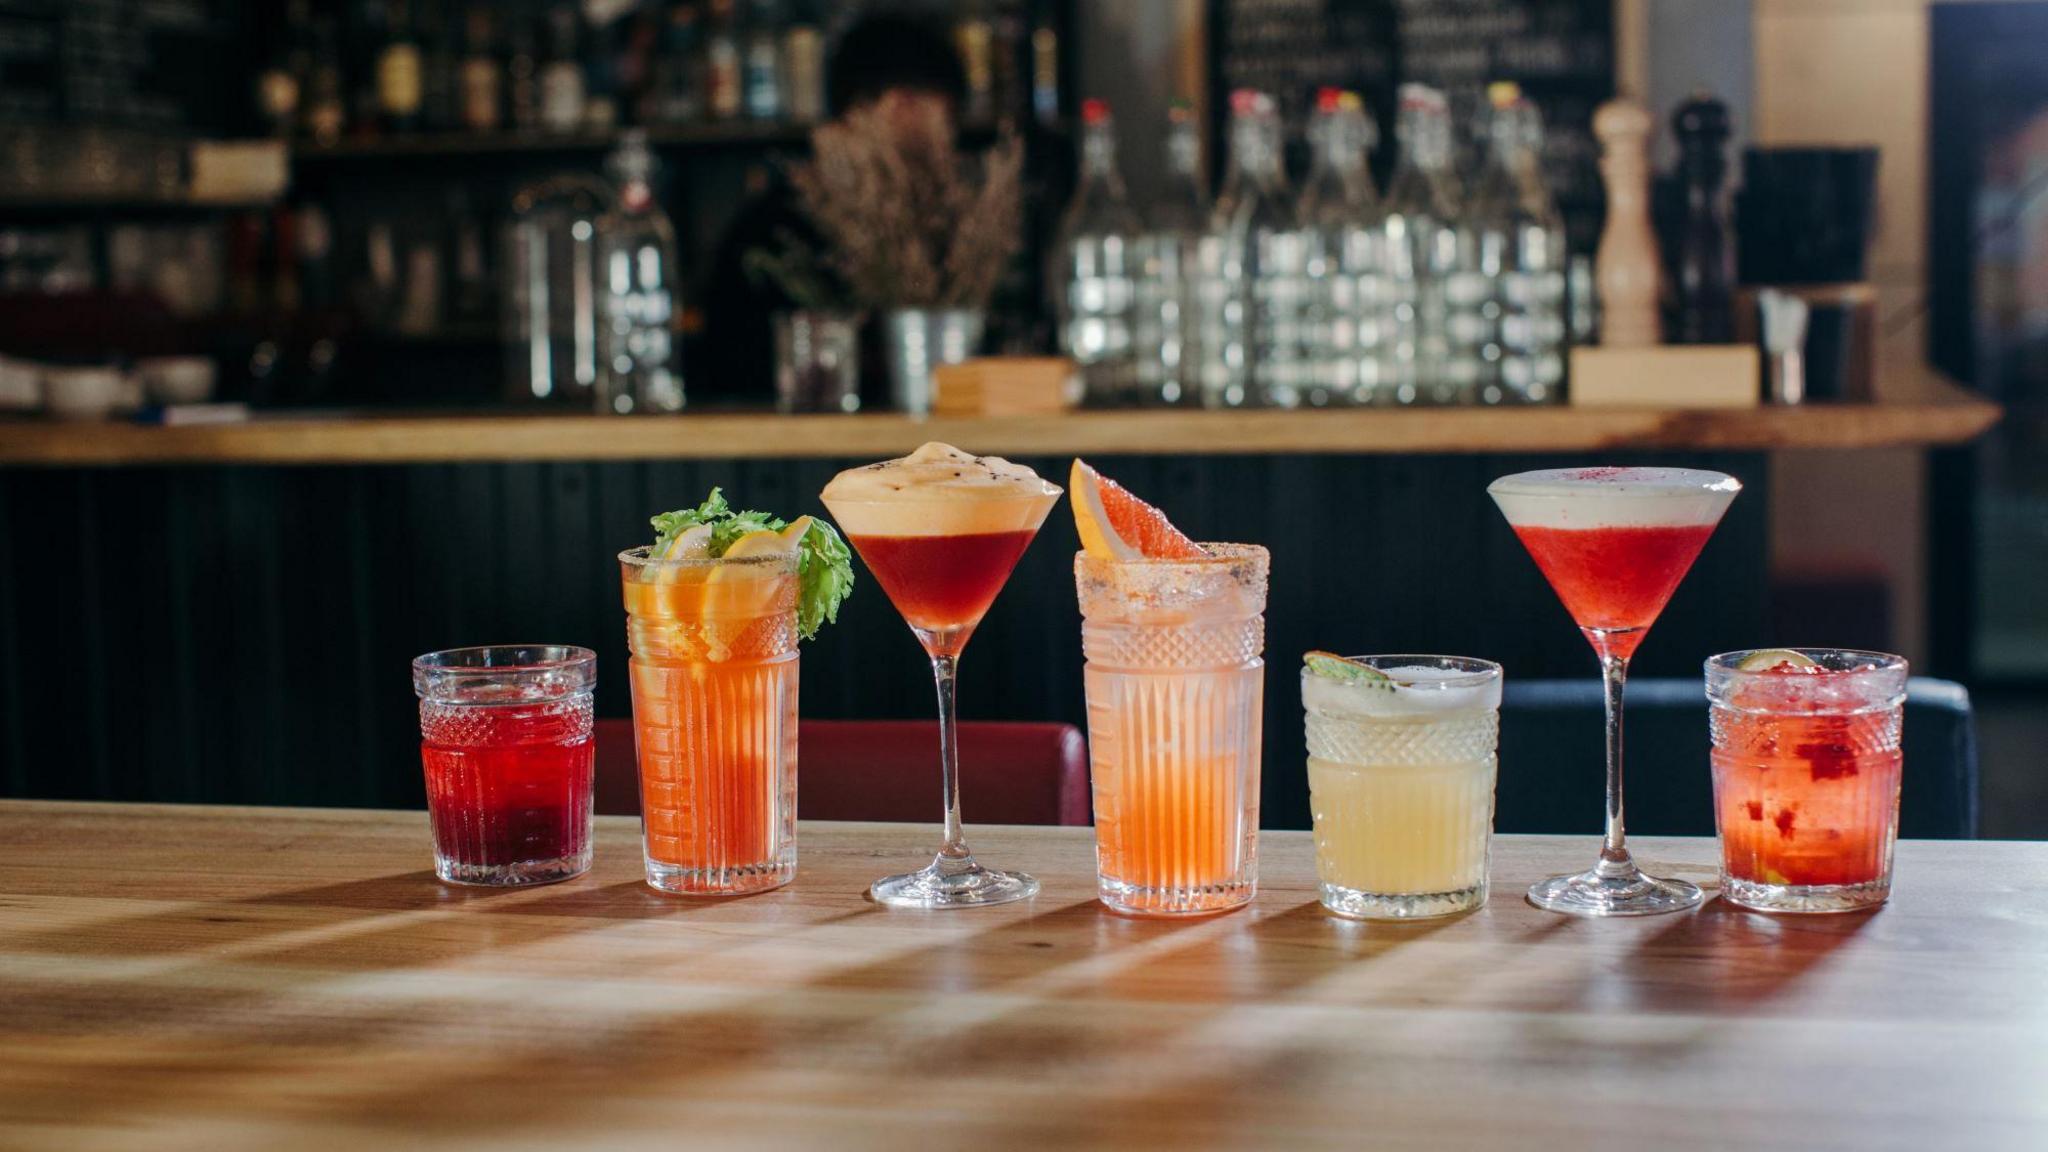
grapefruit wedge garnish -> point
(1115, 525)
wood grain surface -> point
(1918, 409)
(216, 978)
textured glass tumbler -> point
(713, 670)
(1175, 688)
(505, 740)
(1806, 778)
(1400, 781)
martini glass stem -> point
(944, 669)
(1614, 857)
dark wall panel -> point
(242, 635)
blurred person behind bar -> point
(891, 60)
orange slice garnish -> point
(1116, 525)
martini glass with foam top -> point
(1614, 544)
(941, 530)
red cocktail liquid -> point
(508, 784)
(943, 584)
(1616, 580)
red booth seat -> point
(889, 770)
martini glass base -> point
(1610, 892)
(952, 883)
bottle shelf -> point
(756, 134)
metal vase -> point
(915, 341)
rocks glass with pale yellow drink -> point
(1401, 769)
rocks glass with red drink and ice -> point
(1806, 764)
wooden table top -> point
(216, 978)
(1916, 408)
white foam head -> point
(939, 490)
(1614, 497)
(1418, 690)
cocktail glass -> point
(1614, 544)
(1806, 778)
(1401, 779)
(942, 557)
(1175, 685)
(505, 741)
(713, 646)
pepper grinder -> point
(1626, 270)
(1703, 290)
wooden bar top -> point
(222, 978)
(1916, 408)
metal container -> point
(917, 340)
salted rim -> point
(1418, 660)
(1219, 553)
(639, 556)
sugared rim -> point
(1479, 674)
(1728, 663)
(640, 557)
(1219, 554)
(1616, 482)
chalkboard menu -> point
(134, 63)
(1560, 51)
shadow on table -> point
(1683, 981)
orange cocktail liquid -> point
(945, 582)
(1806, 799)
(714, 681)
(1615, 580)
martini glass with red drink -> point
(1614, 544)
(941, 531)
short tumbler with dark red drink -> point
(505, 738)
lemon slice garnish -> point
(1768, 658)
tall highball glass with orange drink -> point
(1173, 632)
(714, 610)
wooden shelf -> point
(1919, 409)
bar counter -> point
(1916, 407)
(225, 978)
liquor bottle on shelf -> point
(441, 67)
(1163, 319)
(974, 38)
(281, 86)
(326, 99)
(1525, 247)
(482, 78)
(638, 279)
(561, 72)
(522, 70)
(1093, 270)
(803, 65)
(761, 69)
(1422, 203)
(470, 302)
(1252, 281)
(724, 95)
(679, 81)
(1045, 74)
(400, 72)
(368, 30)
(1702, 292)
(1344, 231)
(601, 58)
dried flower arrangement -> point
(907, 221)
